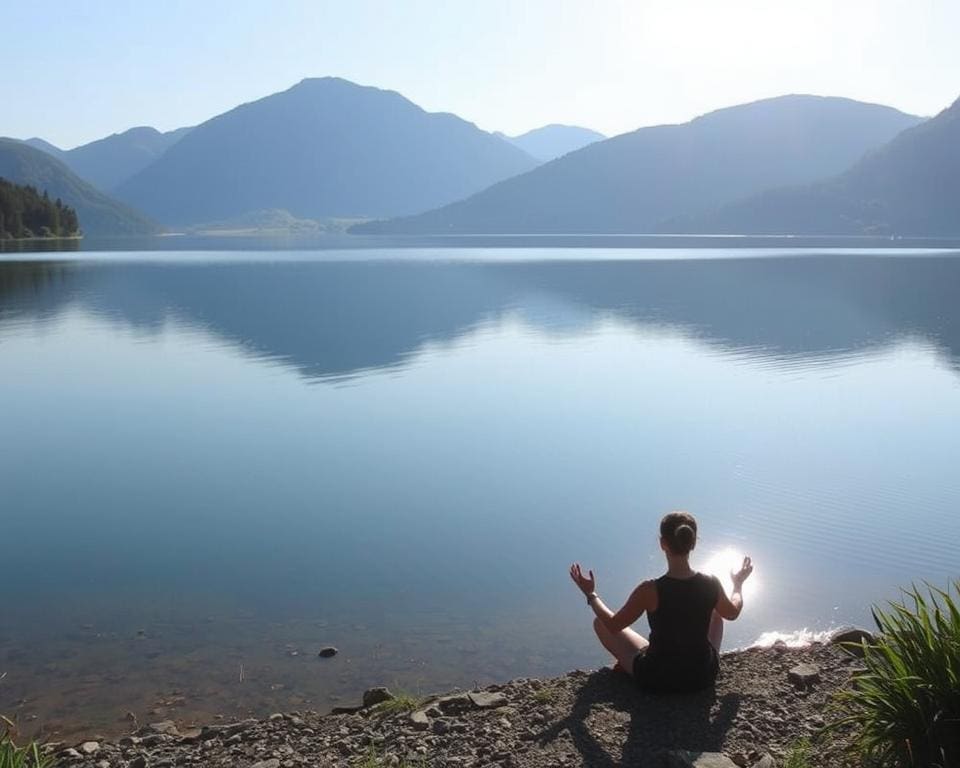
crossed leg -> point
(624, 645)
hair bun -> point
(685, 536)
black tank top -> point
(680, 655)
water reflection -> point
(335, 319)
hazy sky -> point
(77, 70)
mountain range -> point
(637, 181)
(324, 148)
(98, 213)
(327, 151)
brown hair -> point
(679, 530)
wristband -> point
(592, 596)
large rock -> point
(485, 700)
(804, 675)
(683, 759)
(851, 639)
(419, 720)
(455, 704)
(374, 696)
(89, 747)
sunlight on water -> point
(723, 563)
(796, 639)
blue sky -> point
(79, 70)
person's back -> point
(686, 610)
(680, 656)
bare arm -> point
(643, 598)
(729, 608)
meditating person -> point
(686, 610)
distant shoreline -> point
(38, 238)
(747, 245)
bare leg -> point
(624, 645)
(715, 634)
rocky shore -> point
(765, 702)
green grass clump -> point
(401, 703)
(373, 760)
(799, 755)
(27, 756)
(905, 708)
(545, 695)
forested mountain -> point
(910, 186)
(25, 212)
(553, 141)
(324, 148)
(99, 214)
(637, 181)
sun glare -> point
(722, 562)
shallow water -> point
(215, 464)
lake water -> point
(212, 465)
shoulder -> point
(646, 594)
(645, 591)
(647, 587)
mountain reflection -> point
(336, 319)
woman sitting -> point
(685, 609)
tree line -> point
(26, 212)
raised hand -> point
(741, 576)
(586, 584)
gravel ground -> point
(753, 716)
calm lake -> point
(213, 465)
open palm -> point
(586, 584)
